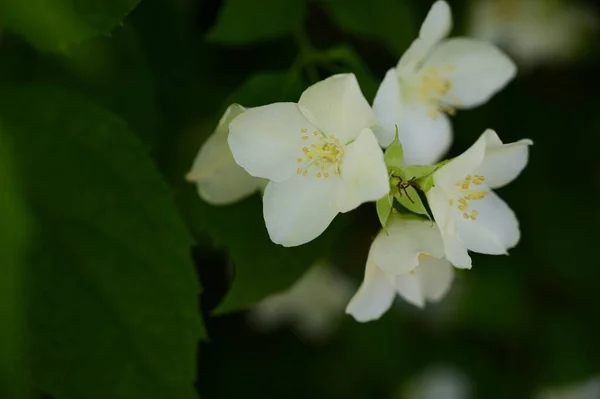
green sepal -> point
(394, 155)
(416, 205)
(384, 208)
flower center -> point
(465, 194)
(322, 155)
(432, 86)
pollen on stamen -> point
(465, 215)
(451, 202)
(303, 130)
(315, 134)
(299, 160)
(305, 173)
(326, 175)
(317, 163)
(304, 137)
(299, 170)
(474, 214)
(319, 174)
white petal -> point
(299, 209)
(424, 139)
(436, 27)
(337, 106)
(374, 297)
(219, 180)
(503, 162)
(266, 141)
(363, 171)
(438, 23)
(387, 107)
(436, 277)
(476, 70)
(454, 249)
(408, 286)
(495, 229)
(396, 250)
(461, 166)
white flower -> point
(313, 305)
(436, 75)
(469, 214)
(589, 389)
(320, 154)
(439, 383)
(407, 260)
(534, 31)
(219, 180)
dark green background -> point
(104, 104)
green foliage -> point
(110, 255)
(14, 230)
(263, 87)
(248, 21)
(389, 22)
(56, 24)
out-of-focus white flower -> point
(533, 31)
(469, 214)
(589, 389)
(438, 383)
(320, 156)
(408, 260)
(436, 76)
(219, 180)
(313, 306)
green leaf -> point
(55, 24)
(389, 22)
(394, 155)
(14, 231)
(248, 21)
(416, 205)
(111, 286)
(267, 87)
(384, 208)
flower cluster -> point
(332, 151)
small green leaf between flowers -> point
(394, 155)
(384, 208)
(409, 198)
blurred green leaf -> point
(247, 21)
(263, 88)
(389, 22)
(14, 230)
(113, 294)
(53, 25)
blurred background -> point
(103, 107)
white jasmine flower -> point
(534, 31)
(219, 180)
(589, 389)
(313, 306)
(439, 383)
(320, 156)
(469, 214)
(436, 76)
(407, 260)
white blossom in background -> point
(313, 306)
(436, 76)
(407, 260)
(219, 180)
(320, 156)
(589, 389)
(438, 383)
(534, 31)
(469, 214)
